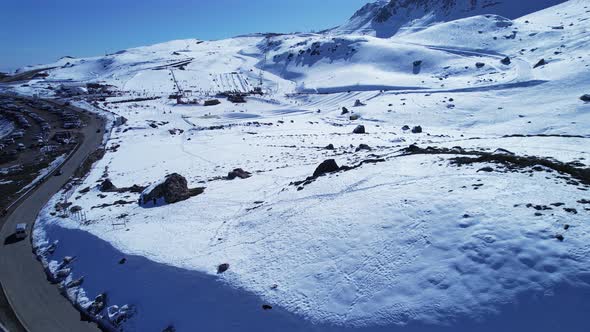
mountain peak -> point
(387, 18)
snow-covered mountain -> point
(386, 18)
(483, 231)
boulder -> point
(363, 147)
(75, 209)
(344, 111)
(173, 189)
(541, 62)
(97, 305)
(406, 128)
(585, 98)
(358, 103)
(506, 61)
(417, 130)
(503, 151)
(212, 102)
(135, 189)
(413, 149)
(238, 173)
(480, 64)
(360, 129)
(327, 166)
(354, 117)
(330, 147)
(107, 186)
(222, 268)
(175, 131)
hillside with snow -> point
(457, 200)
(386, 18)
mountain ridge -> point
(386, 18)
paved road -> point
(38, 304)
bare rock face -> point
(328, 166)
(172, 190)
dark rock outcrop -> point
(358, 103)
(172, 190)
(344, 111)
(360, 129)
(238, 173)
(222, 268)
(506, 61)
(212, 102)
(541, 62)
(363, 147)
(480, 65)
(417, 130)
(585, 98)
(328, 166)
(107, 185)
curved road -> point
(37, 303)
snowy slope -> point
(403, 239)
(386, 18)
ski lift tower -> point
(266, 50)
(180, 92)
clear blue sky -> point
(41, 31)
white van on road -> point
(21, 231)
